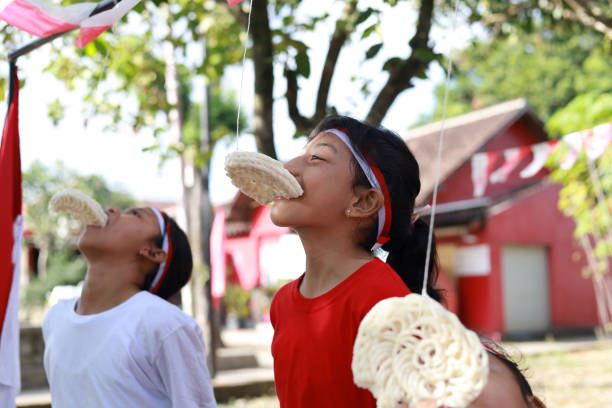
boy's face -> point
(124, 234)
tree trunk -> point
(263, 58)
(192, 190)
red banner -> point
(10, 242)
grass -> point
(576, 379)
(562, 379)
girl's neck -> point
(105, 287)
(330, 259)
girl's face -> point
(125, 232)
(324, 170)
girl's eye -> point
(315, 157)
(134, 212)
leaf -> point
(368, 31)
(302, 63)
(373, 51)
(364, 15)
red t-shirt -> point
(313, 338)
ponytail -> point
(407, 256)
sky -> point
(118, 155)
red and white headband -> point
(377, 181)
(166, 246)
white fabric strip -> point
(368, 172)
(73, 13)
(162, 230)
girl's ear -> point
(156, 255)
(366, 203)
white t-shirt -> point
(144, 352)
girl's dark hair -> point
(517, 373)
(407, 247)
(181, 263)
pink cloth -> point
(217, 254)
(232, 3)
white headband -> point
(162, 230)
(369, 175)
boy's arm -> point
(182, 366)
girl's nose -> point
(292, 166)
(112, 211)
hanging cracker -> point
(410, 349)
(79, 206)
(261, 177)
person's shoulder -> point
(285, 291)
(161, 313)
(379, 274)
(378, 281)
(60, 310)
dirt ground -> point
(562, 379)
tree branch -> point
(588, 16)
(400, 79)
(302, 123)
(339, 37)
(341, 34)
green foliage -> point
(549, 67)
(65, 267)
(237, 300)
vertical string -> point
(438, 161)
(104, 66)
(246, 42)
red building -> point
(509, 253)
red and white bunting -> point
(598, 141)
(482, 165)
(512, 158)
(540, 152)
(41, 18)
(575, 143)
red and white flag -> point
(482, 164)
(598, 141)
(575, 142)
(10, 248)
(540, 151)
(232, 3)
(41, 18)
(512, 157)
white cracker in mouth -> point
(79, 206)
(410, 349)
(261, 177)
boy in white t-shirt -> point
(121, 344)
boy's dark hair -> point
(181, 262)
(407, 247)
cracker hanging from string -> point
(410, 349)
(79, 206)
(261, 177)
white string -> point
(246, 42)
(438, 161)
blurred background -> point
(145, 114)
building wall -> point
(536, 220)
(532, 219)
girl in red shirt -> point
(360, 184)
